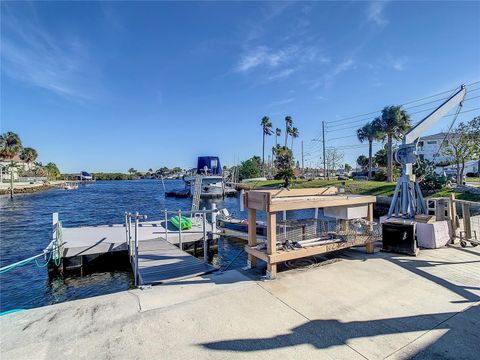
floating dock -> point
(91, 240)
(160, 256)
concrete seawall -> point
(26, 188)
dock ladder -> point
(197, 191)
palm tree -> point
(29, 155)
(267, 131)
(294, 133)
(393, 122)
(288, 128)
(10, 145)
(369, 132)
(278, 132)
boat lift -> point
(407, 199)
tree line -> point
(394, 122)
(11, 149)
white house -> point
(432, 147)
(19, 165)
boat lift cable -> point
(53, 251)
(449, 129)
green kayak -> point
(186, 223)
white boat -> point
(70, 185)
(209, 168)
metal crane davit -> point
(407, 199)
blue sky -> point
(109, 86)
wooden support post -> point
(467, 226)
(453, 216)
(370, 246)
(252, 236)
(440, 210)
(271, 243)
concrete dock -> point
(359, 307)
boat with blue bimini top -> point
(210, 171)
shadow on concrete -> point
(417, 267)
(327, 333)
(217, 277)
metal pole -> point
(130, 235)
(180, 245)
(324, 157)
(126, 232)
(302, 158)
(11, 183)
(205, 240)
(166, 225)
(214, 219)
(55, 233)
(136, 249)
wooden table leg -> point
(370, 246)
(271, 243)
(252, 236)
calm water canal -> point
(25, 231)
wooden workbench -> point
(273, 201)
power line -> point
(405, 103)
(338, 127)
(412, 113)
(456, 114)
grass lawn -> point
(352, 187)
(458, 195)
(473, 179)
(377, 188)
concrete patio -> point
(361, 306)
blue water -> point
(25, 225)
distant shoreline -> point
(31, 188)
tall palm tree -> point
(294, 133)
(369, 132)
(393, 122)
(267, 131)
(278, 132)
(288, 128)
(10, 145)
(29, 155)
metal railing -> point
(197, 216)
(132, 243)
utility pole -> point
(302, 158)
(11, 182)
(324, 158)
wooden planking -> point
(311, 202)
(282, 255)
(275, 193)
(160, 262)
(271, 243)
(252, 234)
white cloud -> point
(280, 102)
(261, 55)
(279, 63)
(281, 74)
(375, 12)
(327, 79)
(32, 55)
(399, 63)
